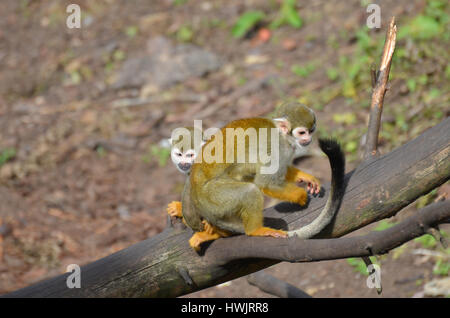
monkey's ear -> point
(283, 125)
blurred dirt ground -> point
(82, 113)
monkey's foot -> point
(267, 231)
(174, 209)
(200, 237)
(212, 229)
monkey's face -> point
(299, 137)
(297, 123)
(303, 135)
(183, 160)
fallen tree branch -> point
(377, 189)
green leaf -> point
(447, 71)
(351, 146)
(345, 118)
(426, 240)
(421, 27)
(161, 154)
(411, 84)
(358, 265)
(6, 155)
(185, 34)
(246, 22)
(441, 268)
(332, 73)
(131, 31)
(303, 71)
(179, 2)
(383, 225)
(363, 38)
(290, 14)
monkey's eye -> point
(312, 129)
(179, 154)
(190, 154)
(300, 131)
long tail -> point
(337, 161)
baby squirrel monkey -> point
(183, 154)
(229, 195)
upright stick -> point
(379, 89)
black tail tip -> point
(329, 145)
(333, 150)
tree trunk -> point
(165, 265)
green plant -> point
(426, 240)
(332, 73)
(304, 70)
(131, 31)
(441, 267)
(6, 155)
(161, 154)
(359, 265)
(246, 22)
(101, 151)
(345, 118)
(426, 199)
(421, 27)
(179, 2)
(185, 34)
(287, 15)
(383, 225)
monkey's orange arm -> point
(290, 192)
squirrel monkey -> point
(183, 153)
(229, 194)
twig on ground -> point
(274, 286)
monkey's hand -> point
(295, 175)
(313, 184)
(174, 209)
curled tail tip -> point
(331, 148)
(335, 154)
(329, 144)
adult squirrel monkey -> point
(228, 194)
